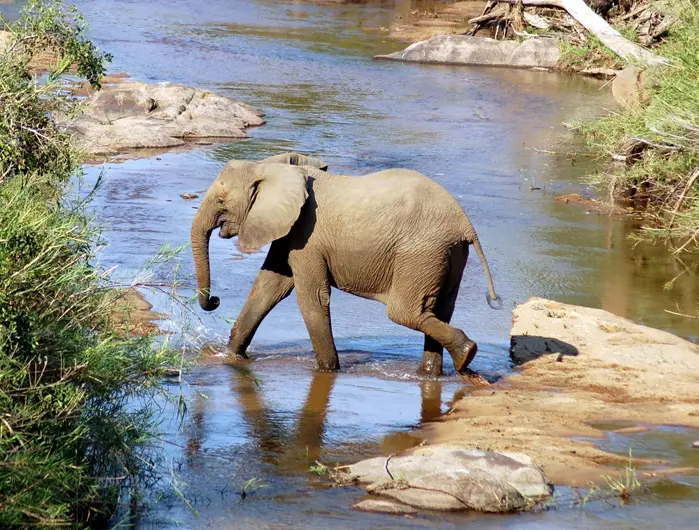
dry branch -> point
(634, 12)
(486, 18)
(599, 27)
(692, 179)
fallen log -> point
(599, 27)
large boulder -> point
(132, 115)
(443, 477)
(467, 50)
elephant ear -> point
(278, 193)
(296, 159)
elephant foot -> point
(236, 353)
(328, 366)
(235, 358)
(463, 358)
(237, 350)
(431, 364)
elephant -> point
(394, 236)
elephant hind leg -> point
(427, 306)
(432, 357)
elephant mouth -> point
(227, 230)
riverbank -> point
(653, 142)
(650, 147)
(75, 390)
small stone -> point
(695, 444)
(383, 506)
(188, 196)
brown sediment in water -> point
(598, 368)
(437, 18)
(593, 205)
(131, 313)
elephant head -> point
(257, 201)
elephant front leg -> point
(269, 289)
(432, 358)
(313, 294)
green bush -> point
(74, 417)
(660, 138)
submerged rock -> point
(133, 115)
(383, 506)
(444, 477)
(463, 49)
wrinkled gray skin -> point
(395, 236)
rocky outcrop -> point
(443, 477)
(131, 116)
(466, 50)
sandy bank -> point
(443, 19)
(578, 366)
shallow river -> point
(487, 135)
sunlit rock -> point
(443, 477)
(383, 506)
(463, 49)
(132, 115)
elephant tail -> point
(491, 297)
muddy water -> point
(488, 135)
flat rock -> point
(467, 50)
(134, 115)
(131, 313)
(444, 477)
(383, 506)
(591, 337)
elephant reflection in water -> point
(299, 446)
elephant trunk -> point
(203, 225)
